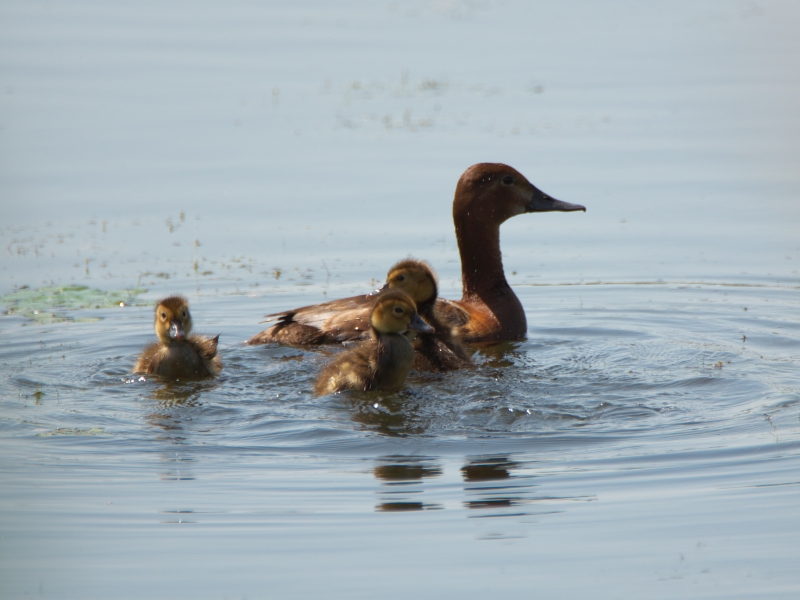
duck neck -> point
(481, 261)
(483, 278)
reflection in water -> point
(395, 414)
(401, 478)
(178, 404)
(496, 483)
(185, 394)
(504, 354)
(488, 469)
(482, 476)
(173, 400)
(176, 468)
(177, 517)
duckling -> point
(178, 355)
(383, 361)
(439, 351)
(487, 195)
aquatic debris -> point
(92, 431)
(46, 304)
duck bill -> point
(176, 331)
(383, 288)
(541, 202)
(417, 324)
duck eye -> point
(163, 315)
(401, 278)
(508, 180)
(398, 310)
(184, 314)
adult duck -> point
(176, 354)
(384, 360)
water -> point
(643, 441)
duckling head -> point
(173, 321)
(395, 312)
(497, 192)
(414, 277)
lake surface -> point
(644, 441)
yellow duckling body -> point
(383, 361)
(178, 355)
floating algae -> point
(47, 304)
(91, 432)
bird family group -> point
(404, 325)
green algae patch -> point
(49, 304)
(93, 431)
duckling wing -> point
(434, 353)
(326, 323)
(206, 347)
(354, 369)
(450, 313)
(146, 358)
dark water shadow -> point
(498, 486)
(401, 480)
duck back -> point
(331, 322)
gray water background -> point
(643, 442)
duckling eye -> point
(184, 314)
(398, 310)
(508, 180)
(401, 278)
(163, 315)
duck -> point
(176, 354)
(384, 360)
(486, 196)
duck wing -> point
(327, 323)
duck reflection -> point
(186, 394)
(176, 405)
(494, 483)
(499, 356)
(390, 414)
(401, 481)
(176, 467)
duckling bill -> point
(384, 360)
(177, 354)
